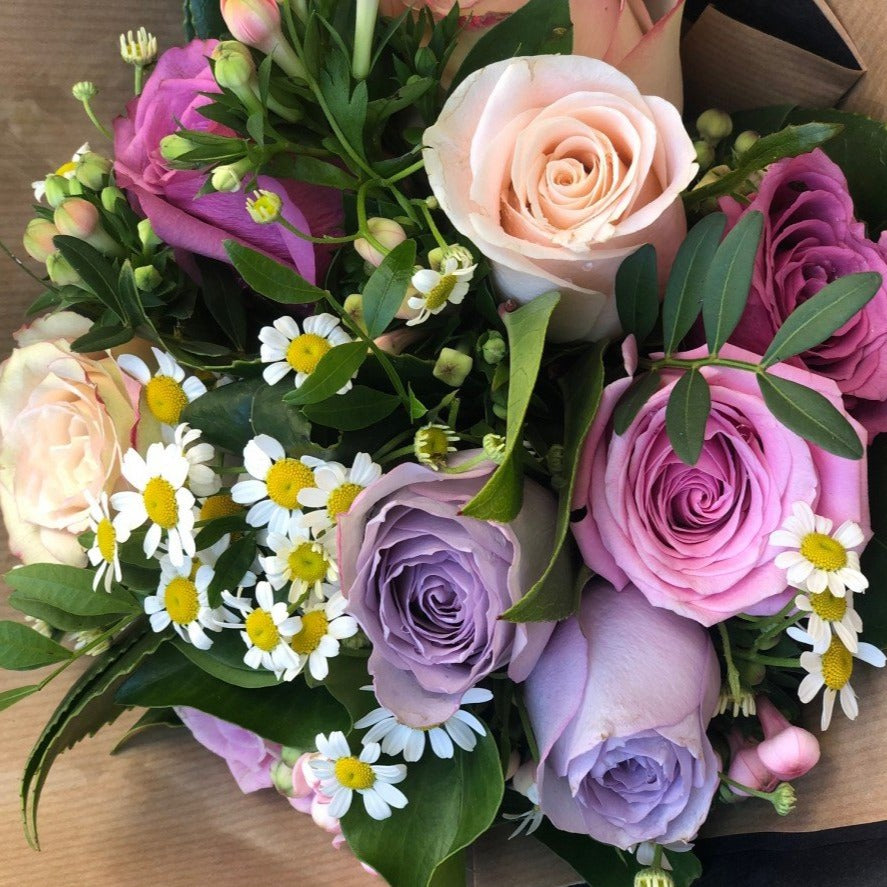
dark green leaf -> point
(348, 674)
(44, 302)
(347, 108)
(599, 864)
(203, 19)
(686, 415)
(271, 279)
(386, 288)
(224, 299)
(9, 697)
(231, 567)
(150, 720)
(810, 415)
(637, 293)
(633, 400)
(100, 338)
(22, 648)
(94, 269)
(356, 409)
(303, 168)
(224, 661)
(334, 370)
(208, 535)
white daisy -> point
(161, 498)
(433, 444)
(323, 626)
(437, 289)
(168, 391)
(335, 489)
(181, 601)
(828, 615)
(275, 485)
(286, 348)
(398, 738)
(833, 670)
(524, 783)
(820, 559)
(341, 774)
(303, 562)
(105, 553)
(202, 480)
(266, 630)
(66, 171)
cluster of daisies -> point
(824, 566)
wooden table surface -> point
(166, 812)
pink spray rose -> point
(695, 539)
(168, 197)
(619, 702)
(811, 237)
(557, 168)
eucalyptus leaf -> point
(633, 400)
(332, 373)
(203, 19)
(637, 293)
(22, 648)
(686, 415)
(271, 279)
(386, 288)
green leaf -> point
(152, 718)
(729, 279)
(208, 535)
(22, 648)
(686, 415)
(554, 595)
(356, 409)
(637, 293)
(334, 370)
(599, 864)
(224, 299)
(813, 321)
(94, 269)
(348, 108)
(9, 697)
(501, 496)
(686, 282)
(203, 19)
(289, 713)
(386, 288)
(347, 675)
(233, 564)
(271, 279)
(810, 415)
(100, 338)
(224, 661)
(451, 803)
(304, 168)
(633, 400)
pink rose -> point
(168, 197)
(695, 539)
(557, 168)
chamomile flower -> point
(202, 480)
(341, 774)
(524, 783)
(275, 484)
(437, 289)
(286, 348)
(166, 392)
(105, 554)
(161, 498)
(335, 489)
(66, 171)
(267, 630)
(830, 616)
(819, 559)
(433, 444)
(181, 601)
(832, 670)
(300, 561)
(397, 738)
(323, 626)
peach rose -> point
(65, 421)
(557, 168)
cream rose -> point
(65, 421)
(557, 168)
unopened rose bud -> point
(714, 125)
(147, 278)
(389, 234)
(76, 217)
(111, 196)
(257, 23)
(60, 271)
(58, 189)
(745, 140)
(705, 154)
(38, 239)
(452, 367)
(264, 207)
(494, 349)
(92, 171)
(397, 341)
(147, 237)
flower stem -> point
(432, 225)
(349, 238)
(732, 672)
(87, 106)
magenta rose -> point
(811, 237)
(168, 197)
(619, 702)
(695, 539)
(428, 586)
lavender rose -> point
(619, 703)
(428, 586)
(811, 237)
(168, 197)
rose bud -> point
(38, 239)
(257, 23)
(746, 767)
(787, 751)
(388, 232)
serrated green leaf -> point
(686, 282)
(810, 415)
(9, 697)
(729, 279)
(334, 370)
(637, 293)
(348, 107)
(94, 270)
(633, 400)
(232, 565)
(271, 279)
(686, 415)
(22, 648)
(386, 288)
(151, 719)
(813, 321)
(356, 409)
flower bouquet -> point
(445, 431)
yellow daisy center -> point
(308, 563)
(166, 399)
(106, 539)
(220, 505)
(305, 351)
(432, 445)
(341, 498)
(828, 607)
(160, 503)
(837, 665)
(314, 626)
(440, 293)
(66, 168)
(286, 479)
(262, 631)
(181, 601)
(354, 774)
(824, 552)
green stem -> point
(95, 120)
(732, 672)
(404, 173)
(349, 238)
(709, 360)
(775, 661)
(755, 793)
(657, 857)
(363, 222)
(396, 454)
(391, 445)
(4, 248)
(467, 465)
(433, 226)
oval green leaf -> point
(637, 293)
(22, 648)
(634, 398)
(686, 415)
(386, 288)
(270, 278)
(334, 370)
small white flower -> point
(66, 171)
(323, 626)
(398, 738)
(166, 392)
(830, 616)
(819, 559)
(300, 561)
(335, 489)
(524, 783)
(202, 480)
(437, 289)
(139, 48)
(433, 444)
(161, 498)
(341, 774)
(287, 348)
(105, 553)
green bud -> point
(282, 777)
(353, 306)
(784, 798)
(715, 174)
(653, 878)
(714, 125)
(147, 237)
(226, 178)
(58, 189)
(494, 448)
(147, 278)
(38, 239)
(745, 140)
(234, 66)
(172, 147)
(452, 367)
(75, 188)
(705, 154)
(264, 207)
(494, 348)
(110, 197)
(84, 91)
(60, 272)
(290, 755)
(92, 171)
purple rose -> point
(168, 197)
(428, 586)
(619, 703)
(811, 238)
